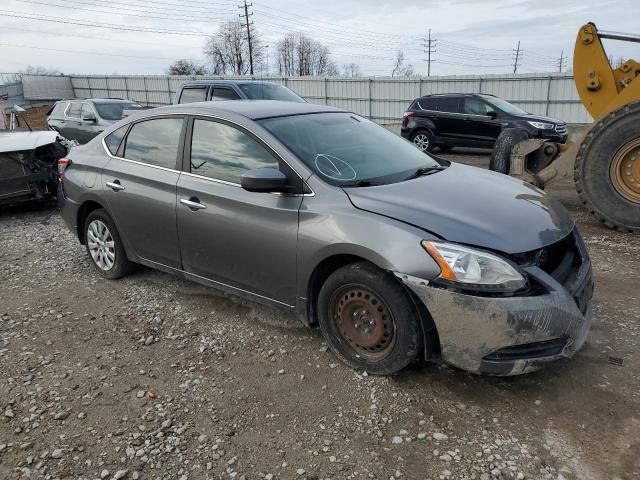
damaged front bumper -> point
(509, 335)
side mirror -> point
(492, 114)
(265, 180)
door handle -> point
(193, 203)
(115, 185)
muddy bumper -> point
(509, 336)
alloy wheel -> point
(421, 141)
(101, 245)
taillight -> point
(407, 114)
(63, 164)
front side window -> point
(114, 139)
(222, 152)
(154, 142)
(74, 110)
(344, 149)
(224, 93)
(113, 110)
(473, 106)
(269, 91)
(87, 111)
(190, 95)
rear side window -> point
(154, 142)
(114, 139)
(449, 105)
(427, 103)
(222, 152)
(224, 93)
(190, 95)
(74, 110)
(58, 109)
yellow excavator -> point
(606, 164)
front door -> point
(141, 189)
(228, 235)
(479, 125)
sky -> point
(470, 36)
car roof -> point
(253, 109)
(223, 82)
(435, 95)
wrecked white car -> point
(29, 164)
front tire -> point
(104, 246)
(368, 319)
(501, 154)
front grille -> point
(561, 129)
(548, 348)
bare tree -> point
(228, 49)
(351, 69)
(39, 70)
(301, 55)
(186, 67)
(400, 69)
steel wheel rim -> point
(421, 141)
(364, 321)
(625, 171)
(101, 245)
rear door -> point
(478, 125)
(230, 236)
(139, 183)
(448, 117)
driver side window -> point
(222, 152)
(473, 106)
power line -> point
(246, 17)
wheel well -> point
(331, 264)
(84, 211)
(318, 277)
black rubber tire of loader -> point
(593, 163)
(501, 155)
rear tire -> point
(607, 169)
(104, 246)
(368, 319)
(423, 139)
(501, 155)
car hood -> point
(471, 206)
(21, 141)
(542, 118)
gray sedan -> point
(396, 255)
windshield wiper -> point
(361, 183)
(422, 171)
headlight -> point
(474, 268)
(542, 125)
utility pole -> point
(267, 49)
(561, 61)
(430, 46)
(515, 65)
(246, 18)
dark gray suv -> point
(395, 254)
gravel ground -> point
(155, 377)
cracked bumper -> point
(472, 328)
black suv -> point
(471, 120)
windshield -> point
(269, 91)
(113, 110)
(505, 106)
(345, 149)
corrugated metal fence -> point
(380, 99)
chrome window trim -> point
(208, 115)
